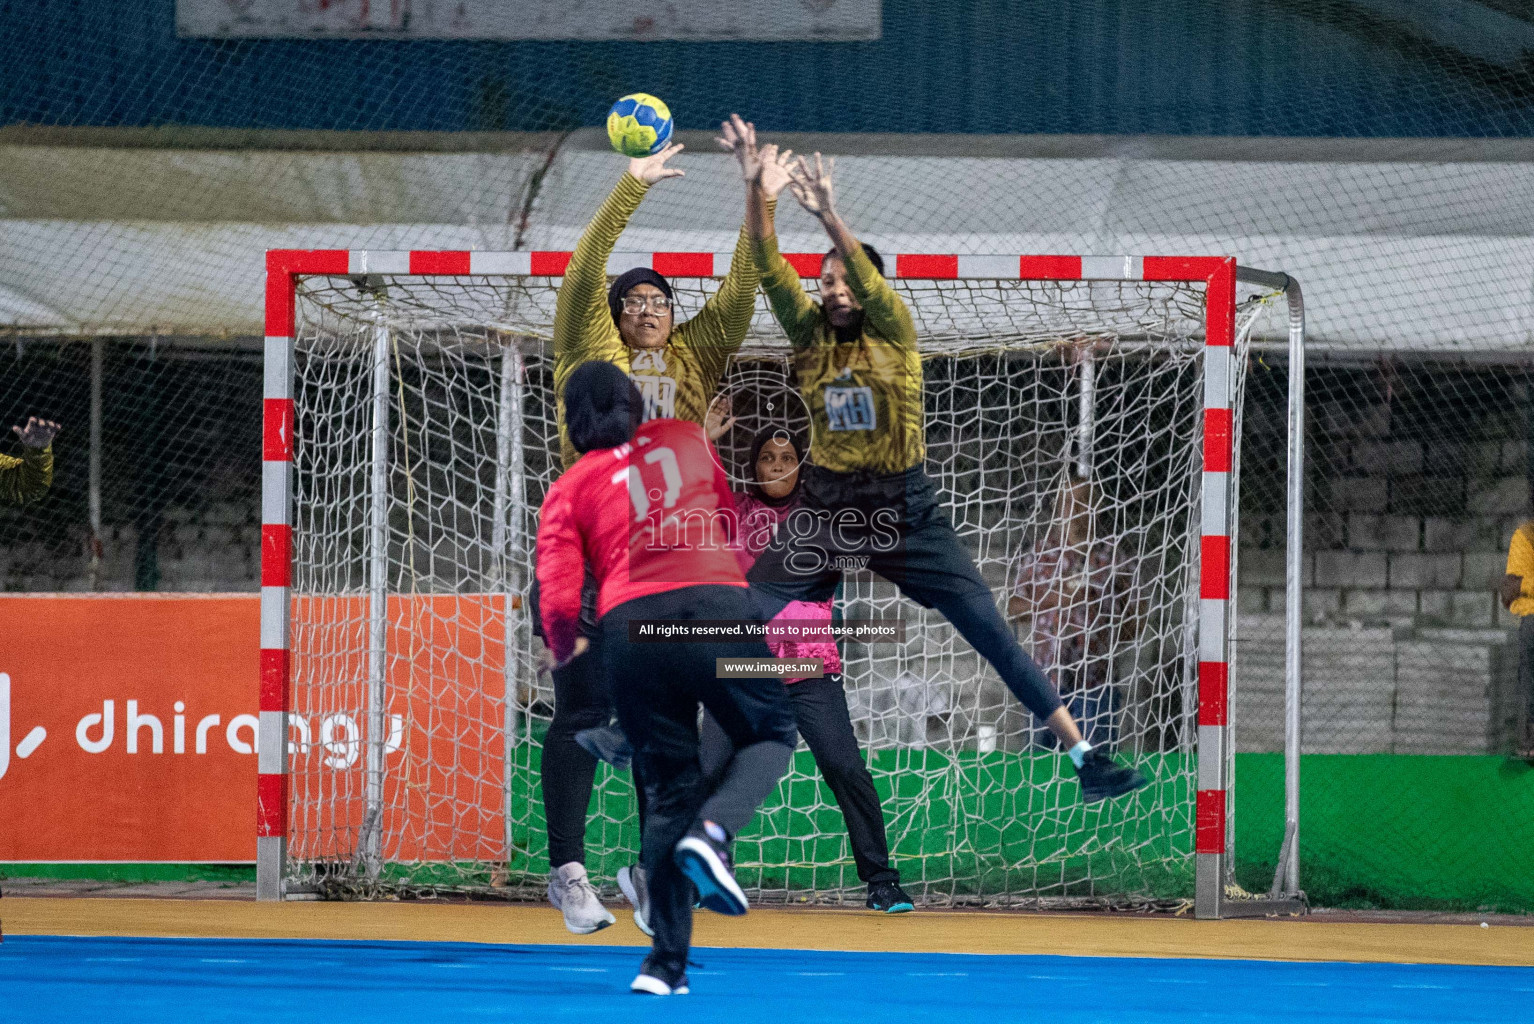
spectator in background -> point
(28, 478)
(1517, 595)
(1077, 589)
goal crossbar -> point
(1218, 276)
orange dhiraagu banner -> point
(128, 728)
(129, 732)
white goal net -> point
(1065, 431)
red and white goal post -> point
(401, 387)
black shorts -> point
(889, 523)
(658, 686)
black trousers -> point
(820, 711)
(582, 700)
(568, 772)
(893, 524)
(658, 688)
(1525, 739)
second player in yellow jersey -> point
(867, 499)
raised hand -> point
(719, 419)
(812, 186)
(650, 169)
(775, 170)
(37, 433)
(738, 137)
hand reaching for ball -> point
(650, 169)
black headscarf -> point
(760, 441)
(602, 407)
(627, 280)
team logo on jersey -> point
(647, 370)
(650, 360)
(851, 409)
(659, 394)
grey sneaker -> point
(572, 895)
(631, 880)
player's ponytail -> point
(602, 407)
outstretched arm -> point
(885, 310)
(581, 320)
(28, 478)
(765, 172)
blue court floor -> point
(106, 980)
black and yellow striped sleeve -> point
(796, 312)
(583, 326)
(720, 327)
(27, 478)
(883, 310)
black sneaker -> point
(607, 743)
(889, 898)
(1102, 777)
(658, 978)
(703, 855)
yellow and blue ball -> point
(639, 125)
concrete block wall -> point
(1418, 474)
(1377, 690)
(211, 550)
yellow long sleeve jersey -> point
(677, 381)
(27, 478)
(865, 394)
(1520, 562)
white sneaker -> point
(631, 880)
(571, 893)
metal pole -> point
(1086, 407)
(371, 838)
(94, 485)
(1286, 880)
(506, 540)
(1293, 585)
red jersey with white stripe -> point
(649, 516)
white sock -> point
(1079, 753)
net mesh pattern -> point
(1086, 526)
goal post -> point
(408, 437)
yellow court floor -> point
(810, 928)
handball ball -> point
(639, 125)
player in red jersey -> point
(647, 509)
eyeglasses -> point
(636, 304)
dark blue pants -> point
(892, 524)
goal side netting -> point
(1069, 429)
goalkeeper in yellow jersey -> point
(28, 478)
(631, 323)
(867, 498)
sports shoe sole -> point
(1099, 795)
(594, 928)
(717, 890)
(647, 985)
(895, 908)
(630, 893)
